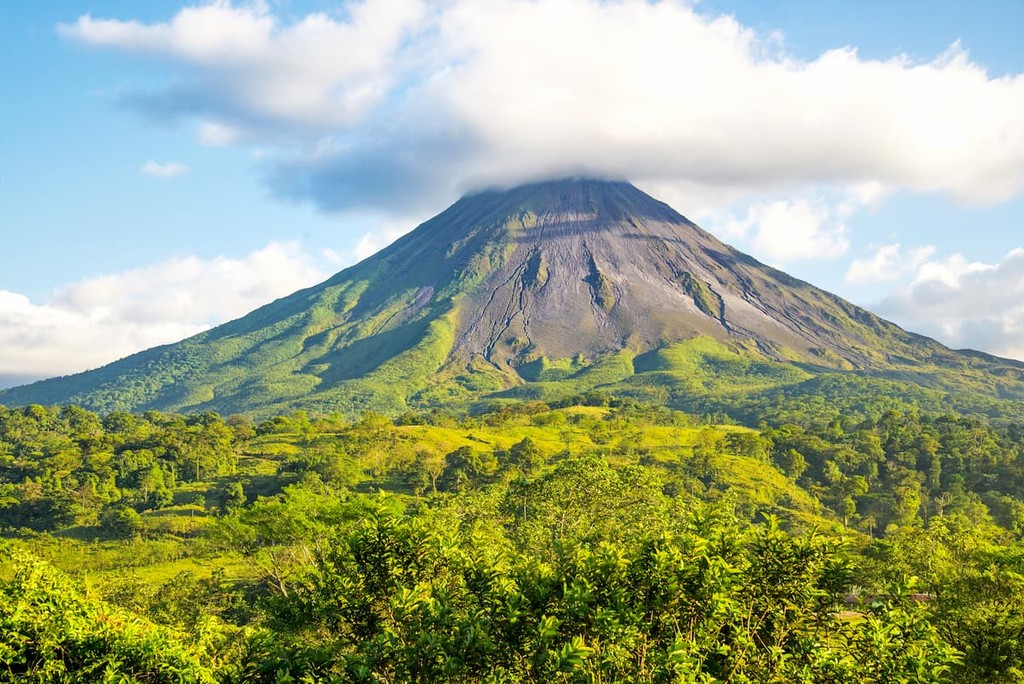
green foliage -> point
(404, 599)
(50, 633)
(702, 297)
(121, 476)
(582, 501)
(529, 543)
(120, 522)
(975, 588)
(464, 469)
(526, 455)
(234, 497)
(601, 289)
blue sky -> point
(166, 166)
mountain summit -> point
(587, 267)
(579, 282)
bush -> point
(50, 633)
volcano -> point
(554, 286)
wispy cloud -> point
(218, 135)
(152, 168)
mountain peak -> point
(580, 196)
(504, 288)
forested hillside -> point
(596, 539)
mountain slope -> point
(545, 288)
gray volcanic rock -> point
(594, 266)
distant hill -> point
(540, 291)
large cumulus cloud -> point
(409, 98)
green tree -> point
(120, 522)
(233, 497)
(466, 468)
(526, 455)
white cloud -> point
(404, 99)
(965, 304)
(889, 262)
(98, 320)
(387, 232)
(152, 168)
(38, 341)
(314, 72)
(788, 230)
(213, 134)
